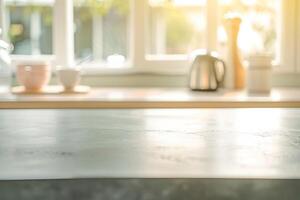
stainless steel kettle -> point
(207, 72)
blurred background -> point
(174, 27)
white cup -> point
(69, 78)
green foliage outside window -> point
(96, 7)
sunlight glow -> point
(189, 2)
(258, 31)
(198, 21)
(249, 2)
(246, 2)
(178, 2)
(226, 2)
(264, 121)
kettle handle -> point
(224, 70)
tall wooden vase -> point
(232, 25)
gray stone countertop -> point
(150, 143)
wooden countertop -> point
(147, 143)
(156, 98)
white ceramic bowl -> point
(69, 78)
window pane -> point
(260, 21)
(101, 30)
(29, 26)
(176, 26)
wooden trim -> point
(141, 105)
(288, 58)
(212, 11)
(297, 33)
(63, 36)
(138, 33)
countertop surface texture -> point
(150, 143)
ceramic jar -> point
(259, 75)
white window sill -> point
(94, 71)
(172, 65)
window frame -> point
(288, 38)
(139, 62)
(297, 24)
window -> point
(175, 27)
(29, 26)
(147, 35)
(101, 30)
(260, 22)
